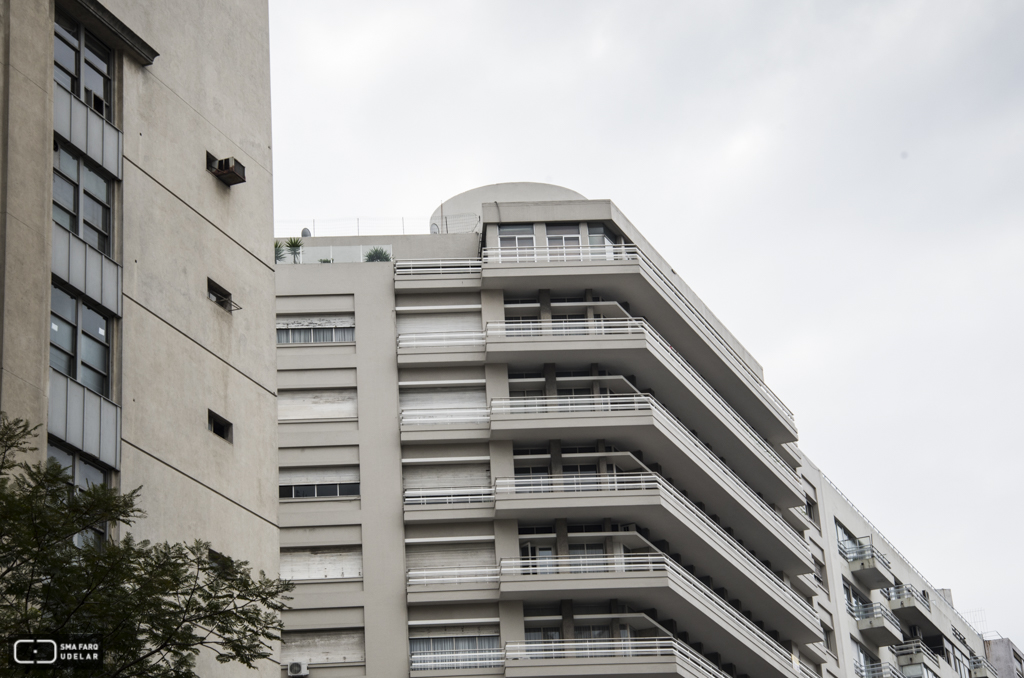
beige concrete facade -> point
(186, 78)
(524, 447)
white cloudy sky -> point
(839, 181)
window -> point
(599, 236)
(83, 65)
(515, 235)
(219, 425)
(79, 341)
(862, 659)
(811, 509)
(220, 296)
(819, 574)
(854, 598)
(84, 474)
(318, 481)
(323, 329)
(455, 652)
(564, 235)
(81, 198)
(828, 639)
(845, 536)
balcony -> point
(876, 623)
(980, 668)
(867, 564)
(465, 661)
(641, 422)
(876, 671)
(607, 658)
(624, 345)
(626, 273)
(911, 606)
(913, 653)
(643, 498)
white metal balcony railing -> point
(631, 401)
(450, 660)
(980, 663)
(876, 670)
(807, 672)
(872, 611)
(501, 255)
(437, 266)
(447, 416)
(906, 591)
(913, 647)
(596, 327)
(602, 483)
(862, 549)
(610, 647)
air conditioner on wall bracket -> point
(298, 668)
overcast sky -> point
(839, 181)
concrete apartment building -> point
(136, 288)
(524, 447)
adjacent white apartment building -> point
(522, 446)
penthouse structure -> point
(522, 446)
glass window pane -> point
(67, 27)
(89, 475)
(62, 78)
(344, 334)
(61, 361)
(66, 163)
(94, 80)
(96, 184)
(302, 336)
(63, 304)
(94, 353)
(282, 336)
(95, 213)
(64, 192)
(93, 380)
(97, 54)
(63, 218)
(96, 238)
(348, 489)
(284, 492)
(323, 335)
(61, 457)
(62, 333)
(305, 490)
(65, 55)
(330, 490)
(94, 324)
(563, 229)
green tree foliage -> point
(156, 606)
(377, 254)
(278, 251)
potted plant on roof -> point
(377, 254)
(294, 247)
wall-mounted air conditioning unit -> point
(298, 668)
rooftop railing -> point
(599, 253)
(906, 591)
(523, 650)
(644, 481)
(914, 647)
(862, 549)
(872, 611)
(876, 670)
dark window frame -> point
(220, 427)
(77, 218)
(80, 461)
(88, 54)
(83, 341)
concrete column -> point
(568, 622)
(544, 297)
(550, 381)
(506, 539)
(502, 463)
(492, 306)
(511, 626)
(496, 376)
(561, 537)
(555, 450)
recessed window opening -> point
(220, 426)
(221, 297)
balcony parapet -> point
(541, 485)
(643, 402)
(435, 267)
(906, 592)
(877, 623)
(445, 416)
(615, 253)
(914, 652)
(638, 648)
(867, 563)
(981, 668)
(885, 670)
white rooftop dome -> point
(462, 213)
